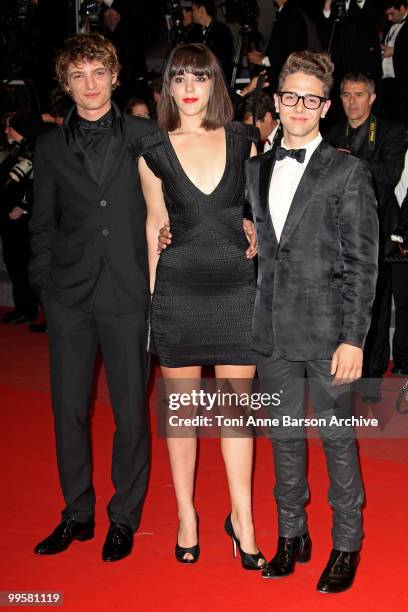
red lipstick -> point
(190, 100)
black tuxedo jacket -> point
(355, 46)
(289, 34)
(386, 159)
(80, 225)
(316, 286)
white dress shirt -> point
(269, 140)
(286, 177)
(388, 62)
(402, 187)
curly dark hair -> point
(86, 47)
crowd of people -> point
(120, 169)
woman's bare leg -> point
(238, 457)
(182, 453)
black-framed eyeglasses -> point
(310, 101)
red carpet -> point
(151, 579)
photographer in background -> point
(16, 187)
(349, 30)
(122, 31)
(216, 35)
(381, 143)
(289, 34)
(266, 118)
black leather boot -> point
(290, 551)
(338, 575)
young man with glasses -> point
(315, 213)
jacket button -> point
(103, 203)
(105, 232)
(278, 261)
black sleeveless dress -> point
(205, 286)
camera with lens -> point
(339, 9)
(20, 171)
(89, 7)
(243, 11)
(174, 8)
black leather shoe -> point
(339, 573)
(290, 551)
(399, 371)
(18, 317)
(66, 532)
(118, 543)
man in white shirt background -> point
(266, 118)
(394, 86)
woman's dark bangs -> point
(188, 61)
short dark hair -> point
(195, 59)
(318, 65)
(209, 6)
(264, 105)
(359, 77)
(133, 102)
(85, 47)
(397, 4)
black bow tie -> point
(95, 126)
(298, 154)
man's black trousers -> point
(74, 338)
(346, 493)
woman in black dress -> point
(192, 173)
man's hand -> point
(253, 83)
(16, 213)
(387, 51)
(250, 233)
(164, 237)
(255, 57)
(346, 364)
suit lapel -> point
(316, 169)
(265, 176)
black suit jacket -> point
(316, 286)
(219, 39)
(400, 64)
(288, 34)
(386, 159)
(355, 45)
(386, 162)
(80, 225)
(399, 58)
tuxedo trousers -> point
(346, 493)
(74, 339)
